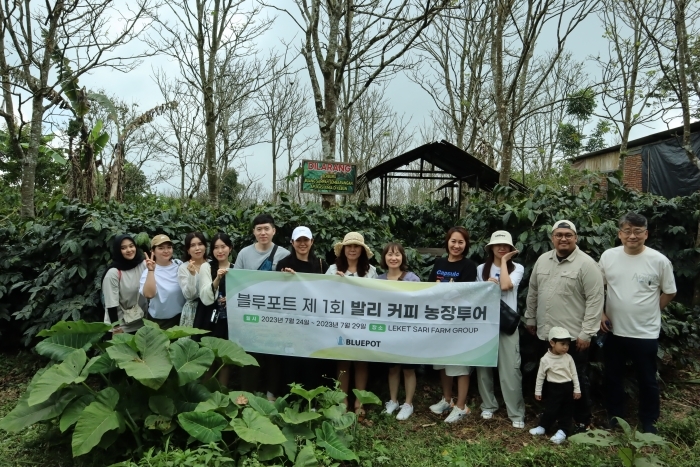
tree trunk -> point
(274, 165)
(31, 155)
(682, 38)
(116, 174)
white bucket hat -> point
(500, 237)
(353, 238)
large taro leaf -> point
(152, 367)
(24, 415)
(268, 452)
(339, 416)
(96, 419)
(306, 457)
(75, 327)
(58, 376)
(295, 418)
(215, 402)
(72, 413)
(256, 428)
(59, 346)
(229, 352)
(162, 405)
(328, 439)
(190, 360)
(190, 395)
(101, 364)
(203, 426)
(178, 332)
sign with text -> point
(351, 318)
(328, 177)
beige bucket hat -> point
(500, 237)
(352, 238)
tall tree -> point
(519, 74)
(342, 35)
(628, 72)
(214, 44)
(86, 32)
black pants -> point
(582, 406)
(642, 352)
(558, 406)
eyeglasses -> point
(636, 232)
(567, 236)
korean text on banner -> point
(349, 318)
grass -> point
(422, 440)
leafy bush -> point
(151, 389)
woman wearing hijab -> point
(352, 260)
(120, 286)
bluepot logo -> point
(362, 343)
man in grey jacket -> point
(566, 290)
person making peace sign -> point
(159, 284)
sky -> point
(405, 96)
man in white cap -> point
(566, 290)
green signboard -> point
(327, 177)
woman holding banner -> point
(500, 269)
(352, 260)
(396, 266)
(455, 268)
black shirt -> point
(314, 266)
(463, 270)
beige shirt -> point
(557, 369)
(568, 294)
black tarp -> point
(666, 170)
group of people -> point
(566, 308)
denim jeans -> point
(642, 352)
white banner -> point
(349, 318)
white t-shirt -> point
(508, 296)
(169, 300)
(635, 283)
(371, 274)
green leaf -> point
(95, 420)
(306, 457)
(24, 415)
(72, 413)
(339, 416)
(102, 365)
(59, 346)
(626, 456)
(190, 360)
(298, 431)
(256, 428)
(153, 366)
(158, 422)
(333, 397)
(366, 397)
(308, 395)
(328, 439)
(190, 395)
(215, 402)
(178, 332)
(203, 426)
(124, 338)
(268, 452)
(597, 437)
(295, 418)
(229, 352)
(58, 376)
(625, 426)
(650, 439)
(162, 405)
(75, 327)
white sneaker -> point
(442, 406)
(390, 407)
(405, 412)
(537, 431)
(457, 414)
(519, 425)
(558, 438)
(486, 414)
